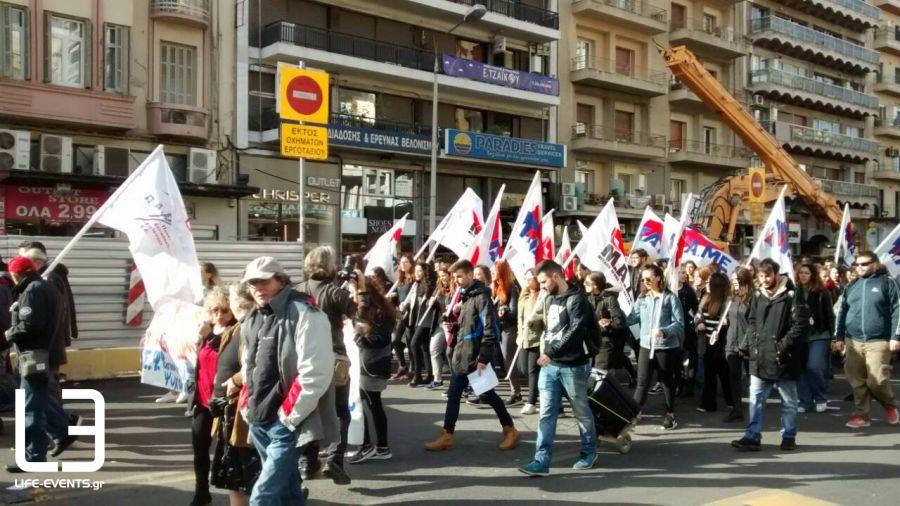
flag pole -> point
(99, 212)
(670, 268)
(845, 222)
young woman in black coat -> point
(611, 319)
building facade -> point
(88, 88)
(887, 88)
(498, 96)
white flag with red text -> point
(523, 248)
(548, 239)
(773, 239)
(649, 235)
(845, 253)
(384, 253)
(564, 252)
(460, 225)
(699, 249)
(488, 244)
(602, 249)
(888, 252)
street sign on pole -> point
(758, 184)
(757, 213)
(304, 141)
(303, 95)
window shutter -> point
(88, 41)
(125, 34)
(26, 48)
(47, 47)
(5, 69)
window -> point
(501, 124)
(827, 173)
(467, 119)
(678, 17)
(709, 140)
(676, 189)
(69, 52)
(584, 50)
(584, 115)
(827, 126)
(676, 135)
(474, 51)
(624, 61)
(178, 74)
(585, 179)
(794, 119)
(852, 131)
(360, 104)
(13, 42)
(709, 23)
(115, 59)
(624, 126)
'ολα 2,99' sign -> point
(41, 203)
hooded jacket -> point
(478, 330)
(870, 309)
(305, 363)
(567, 316)
(778, 323)
(671, 322)
(36, 319)
(606, 305)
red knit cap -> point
(21, 265)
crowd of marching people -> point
(272, 376)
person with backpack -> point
(659, 314)
(572, 337)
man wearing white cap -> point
(287, 366)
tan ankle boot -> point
(443, 442)
(510, 438)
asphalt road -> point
(148, 459)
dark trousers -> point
(715, 369)
(529, 368)
(736, 365)
(376, 414)
(201, 440)
(36, 399)
(458, 383)
(687, 375)
(665, 363)
(398, 342)
(310, 452)
(420, 352)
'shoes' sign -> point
(98, 430)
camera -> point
(346, 273)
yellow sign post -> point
(757, 184)
(304, 141)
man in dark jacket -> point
(476, 331)
(778, 320)
(35, 318)
(320, 268)
(565, 367)
(867, 329)
(60, 279)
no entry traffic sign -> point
(303, 95)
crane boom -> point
(685, 66)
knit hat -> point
(20, 266)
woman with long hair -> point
(506, 297)
(690, 366)
(812, 389)
(699, 279)
(424, 319)
(483, 274)
(529, 339)
(658, 313)
(715, 366)
(372, 334)
(446, 287)
(379, 281)
(209, 275)
(736, 328)
(605, 301)
(401, 332)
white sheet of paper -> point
(636, 331)
(483, 382)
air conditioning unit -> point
(580, 129)
(110, 161)
(759, 100)
(659, 200)
(15, 149)
(892, 152)
(569, 203)
(202, 166)
(499, 45)
(568, 189)
(56, 154)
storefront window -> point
(372, 195)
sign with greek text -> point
(381, 140)
(44, 203)
(477, 71)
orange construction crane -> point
(724, 200)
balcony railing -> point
(516, 10)
(707, 148)
(352, 121)
(801, 83)
(612, 134)
(190, 8)
(859, 6)
(584, 62)
(888, 32)
(891, 123)
(350, 45)
(639, 7)
(817, 38)
(813, 136)
(847, 189)
(725, 33)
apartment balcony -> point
(177, 121)
(888, 128)
(636, 15)
(187, 12)
(844, 190)
(268, 129)
(805, 92)
(805, 43)
(891, 6)
(892, 175)
(609, 141)
(821, 144)
(607, 74)
(694, 153)
(392, 64)
(887, 39)
(889, 85)
(719, 42)
(48, 105)
(682, 97)
(854, 14)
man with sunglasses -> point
(867, 331)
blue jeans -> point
(759, 393)
(36, 439)
(553, 381)
(279, 481)
(813, 385)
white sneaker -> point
(169, 398)
(182, 398)
(821, 407)
(528, 409)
